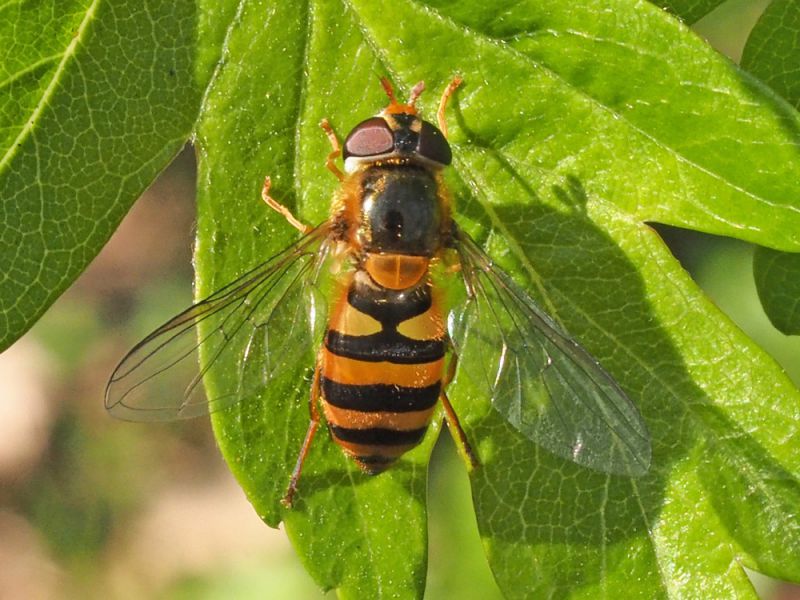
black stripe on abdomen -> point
(379, 397)
(378, 436)
(386, 345)
(389, 307)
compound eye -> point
(369, 138)
(433, 145)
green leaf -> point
(777, 276)
(689, 10)
(577, 124)
(95, 98)
(771, 54)
(773, 47)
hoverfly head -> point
(396, 133)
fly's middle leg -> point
(281, 209)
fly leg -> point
(280, 208)
(452, 420)
(288, 497)
(448, 91)
(336, 151)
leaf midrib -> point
(221, 61)
(301, 101)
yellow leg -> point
(452, 420)
(288, 497)
(448, 91)
(280, 208)
(336, 151)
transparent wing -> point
(540, 379)
(266, 318)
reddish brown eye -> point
(369, 138)
(433, 145)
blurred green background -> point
(93, 507)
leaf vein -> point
(29, 69)
(51, 87)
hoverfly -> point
(390, 344)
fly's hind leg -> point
(313, 425)
(452, 420)
(336, 150)
(281, 209)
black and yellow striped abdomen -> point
(381, 369)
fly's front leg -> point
(336, 151)
(281, 209)
(452, 419)
(448, 91)
(313, 425)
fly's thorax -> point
(403, 211)
(400, 210)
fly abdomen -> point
(380, 370)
